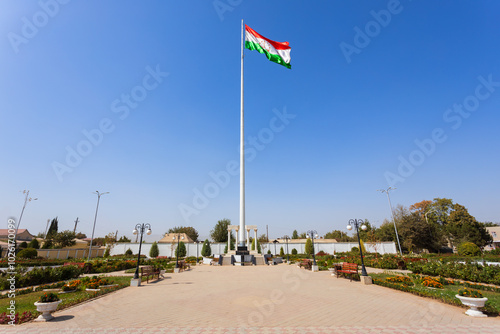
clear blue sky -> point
(360, 103)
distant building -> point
(22, 234)
(494, 231)
(172, 237)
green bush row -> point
(473, 272)
(39, 276)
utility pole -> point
(76, 223)
(267, 232)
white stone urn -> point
(46, 309)
(473, 303)
(207, 260)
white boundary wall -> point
(168, 249)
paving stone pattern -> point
(260, 299)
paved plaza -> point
(260, 299)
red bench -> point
(306, 264)
(349, 269)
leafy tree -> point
(47, 244)
(295, 235)
(463, 227)
(416, 234)
(34, 244)
(282, 252)
(124, 239)
(99, 242)
(190, 231)
(421, 207)
(309, 247)
(219, 233)
(107, 252)
(206, 250)
(80, 235)
(263, 238)
(338, 235)
(64, 239)
(303, 235)
(490, 224)
(294, 251)
(386, 231)
(128, 252)
(154, 251)
(23, 244)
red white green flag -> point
(278, 52)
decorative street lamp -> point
(357, 223)
(140, 228)
(313, 234)
(275, 242)
(286, 237)
(95, 218)
(177, 250)
(26, 200)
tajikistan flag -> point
(279, 52)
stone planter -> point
(46, 309)
(207, 260)
(473, 303)
(107, 286)
(87, 289)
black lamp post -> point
(177, 249)
(286, 237)
(275, 242)
(313, 234)
(140, 228)
(357, 223)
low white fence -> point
(193, 249)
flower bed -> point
(466, 271)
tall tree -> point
(52, 228)
(206, 250)
(338, 235)
(219, 233)
(181, 250)
(309, 247)
(154, 251)
(295, 235)
(463, 227)
(64, 239)
(189, 230)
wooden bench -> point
(150, 271)
(306, 264)
(348, 269)
(183, 265)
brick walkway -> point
(261, 299)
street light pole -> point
(95, 218)
(313, 233)
(26, 200)
(139, 228)
(392, 214)
(286, 237)
(357, 223)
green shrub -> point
(154, 251)
(355, 249)
(180, 251)
(282, 252)
(206, 250)
(309, 247)
(468, 249)
(106, 252)
(27, 253)
(34, 244)
(294, 251)
(23, 244)
(128, 252)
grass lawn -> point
(26, 302)
(447, 294)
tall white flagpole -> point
(241, 237)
